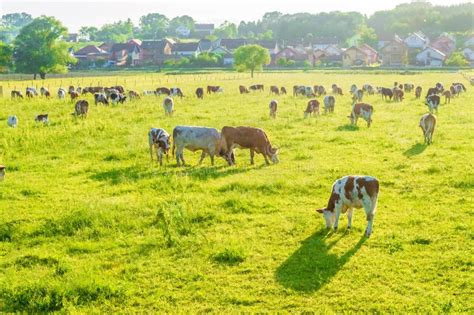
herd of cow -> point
(347, 193)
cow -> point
(109, 91)
(16, 94)
(93, 90)
(387, 93)
(168, 106)
(132, 95)
(463, 87)
(160, 140)
(274, 90)
(418, 91)
(2, 172)
(61, 93)
(432, 91)
(119, 88)
(273, 108)
(312, 108)
(440, 87)
(243, 90)
(369, 89)
(148, 92)
(79, 90)
(358, 95)
(427, 125)
(208, 140)
(458, 88)
(31, 91)
(47, 94)
(398, 94)
(334, 88)
(162, 90)
(12, 121)
(353, 89)
(71, 89)
(100, 98)
(214, 89)
(299, 90)
(453, 91)
(408, 87)
(81, 108)
(42, 118)
(349, 192)
(361, 110)
(320, 90)
(283, 90)
(43, 90)
(200, 93)
(175, 91)
(447, 96)
(256, 87)
(329, 103)
(74, 95)
(254, 139)
(433, 102)
(117, 98)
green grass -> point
(89, 224)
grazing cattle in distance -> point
(254, 139)
(361, 110)
(463, 87)
(353, 89)
(61, 93)
(16, 94)
(369, 89)
(408, 87)
(119, 88)
(100, 98)
(334, 88)
(109, 91)
(256, 87)
(74, 95)
(93, 89)
(175, 91)
(432, 91)
(81, 108)
(312, 108)
(398, 95)
(168, 106)
(283, 90)
(358, 95)
(2, 172)
(320, 90)
(163, 90)
(243, 90)
(453, 91)
(43, 91)
(32, 91)
(200, 93)
(387, 93)
(208, 140)
(349, 192)
(303, 90)
(47, 94)
(433, 102)
(447, 96)
(273, 108)
(42, 118)
(149, 92)
(160, 140)
(329, 104)
(274, 90)
(71, 89)
(458, 88)
(427, 125)
(132, 95)
(418, 91)
(79, 90)
(214, 89)
(12, 121)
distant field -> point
(89, 224)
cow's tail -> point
(174, 142)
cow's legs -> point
(266, 159)
(203, 155)
(178, 157)
(338, 214)
(151, 152)
(370, 207)
(182, 157)
(159, 154)
(349, 218)
(252, 154)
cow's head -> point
(230, 158)
(329, 216)
(274, 155)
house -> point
(205, 45)
(230, 44)
(186, 49)
(123, 53)
(183, 31)
(430, 57)
(468, 53)
(91, 53)
(227, 56)
(106, 46)
(203, 30)
(444, 43)
(323, 42)
(417, 40)
(372, 54)
(394, 53)
(296, 54)
(155, 51)
(354, 56)
(270, 45)
(469, 41)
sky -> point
(74, 14)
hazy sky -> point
(75, 14)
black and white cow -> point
(100, 98)
(159, 140)
(117, 98)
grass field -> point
(89, 224)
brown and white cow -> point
(214, 89)
(81, 108)
(16, 94)
(447, 96)
(254, 139)
(256, 87)
(427, 125)
(274, 90)
(312, 108)
(273, 108)
(243, 90)
(100, 98)
(418, 91)
(200, 93)
(329, 103)
(74, 95)
(132, 95)
(362, 110)
(349, 192)
(398, 94)
(162, 91)
(159, 139)
(358, 95)
(283, 90)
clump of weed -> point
(237, 206)
(68, 225)
(173, 221)
(229, 256)
(6, 232)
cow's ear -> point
(320, 210)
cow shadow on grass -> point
(347, 127)
(312, 266)
(204, 173)
(415, 149)
(117, 176)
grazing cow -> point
(312, 108)
(149, 92)
(433, 102)
(117, 98)
(42, 118)
(132, 95)
(214, 89)
(463, 87)
(29, 93)
(283, 90)
(119, 88)
(79, 90)
(353, 89)
(81, 108)
(160, 140)
(197, 138)
(12, 121)
(387, 93)
(447, 96)
(329, 103)
(368, 88)
(243, 90)
(358, 95)
(398, 94)
(109, 91)
(418, 91)
(71, 89)
(351, 192)
(427, 125)
(200, 93)
(100, 98)
(47, 94)
(175, 91)
(2, 172)
(274, 90)
(254, 139)
(458, 88)
(320, 90)
(168, 106)
(273, 108)
(16, 94)
(303, 90)
(256, 87)
(440, 87)
(432, 91)
(32, 91)
(334, 88)
(408, 87)
(453, 91)
(93, 90)
(74, 95)
(361, 110)
(43, 90)
(163, 90)
(61, 93)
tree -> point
(120, 31)
(6, 59)
(178, 21)
(457, 59)
(367, 36)
(11, 24)
(251, 57)
(89, 32)
(226, 30)
(154, 26)
(39, 50)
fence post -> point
(1, 91)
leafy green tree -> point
(178, 21)
(6, 57)
(154, 26)
(367, 36)
(89, 32)
(251, 58)
(11, 24)
(39, 50)
(226, 30)
(457, 59)
(120, 31)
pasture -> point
(89, 224)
